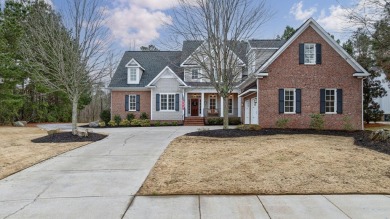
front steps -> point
(194, 121)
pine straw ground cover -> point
(270, 164)
(18, 152)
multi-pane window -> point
(213, 102)
(195, 73)
(289, 100)
(133, 74)
(230, 105)
(310, 53)
(132, 103)
(167, 102)
(330, 101)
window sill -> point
(290, 113)
(132, 111)
(168, 111)
(310, 63)
(331, 113)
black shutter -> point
(126, 102)
(281, 100)
(301, 53)
(298, 100)
(137, 103)
(177, 97)
(322, 101)
(339, 101)
(318, 54)
(157, 102)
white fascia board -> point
(262, 74)
(130, 66)
(128, 88)
(247, 81)
(159, 75)
(361, 74)
(248, 92)
(311, 22)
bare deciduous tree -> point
(70, 50)
(221, 25)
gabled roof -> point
(190, 46)
(360, 71)
(152, 61)
(266, 44)
(166, 69)
(134, 63)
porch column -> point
(221, 107)
(202, 105)
(239, 106)
(186, 104)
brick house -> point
(307, 74)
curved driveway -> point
(95, 181)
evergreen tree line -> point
(22, 95)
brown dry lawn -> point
(278, 164)
(17, 152)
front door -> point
(194, 107)
(254, 114)
(247, 110)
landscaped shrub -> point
(125, 122)
(174, 123)
(105, 116)
(214, 121)
(219, 121)
(145, 123)
(112, 123)
(234, 121)
(157, 123)
(316, 121)
(136, 122)
(117, 119)
(130, 116)
(144, 116)
(165, 124)
(282, 123)
(249, 127)
(102, 124)
(347, 123)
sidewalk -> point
(251, 206)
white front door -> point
(254, 114)
(247, 109)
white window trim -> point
(174, 102)
(294, 102)
(135, 98)
(137, 72)
(335, 101)
(231, 98)
(216, 101)
(199, 73)
(315, 53)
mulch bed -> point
(64, 137)
(361, 137)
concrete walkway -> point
(101, 179)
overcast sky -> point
(141, 22)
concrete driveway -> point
(95, 181)
(100, 180)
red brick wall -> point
(334, 72)
(118, 103)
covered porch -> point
(210, 104)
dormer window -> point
(195, 73)
(134, 72)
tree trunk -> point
(74, 116)
(225, 113)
